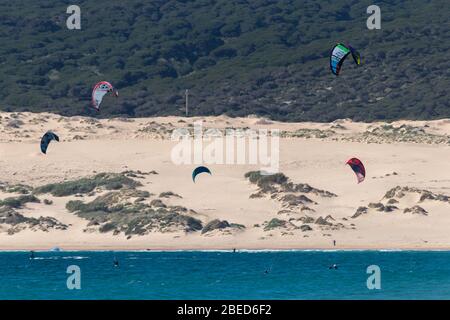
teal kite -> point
(338, 55)
(199, 170)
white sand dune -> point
(88, 146)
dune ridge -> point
(111, 184)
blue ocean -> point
(225, 275)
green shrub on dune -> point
(114, 211)
(18, 202)
(19, 188)
(109, 181)
(275, 223)
(262, 180)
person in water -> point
(32, 254)
(116, 262)
(334, 266)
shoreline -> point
(238, 250)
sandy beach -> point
(402, 204)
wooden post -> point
(187, 102)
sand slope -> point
(405, 154)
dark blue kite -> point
(45, 141)
(199, 170)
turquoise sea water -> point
(226, 275)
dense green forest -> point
(237, 57)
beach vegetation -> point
(275, 223)
(114, 212)
(108, 181)
(267, 58)
(18, 202)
